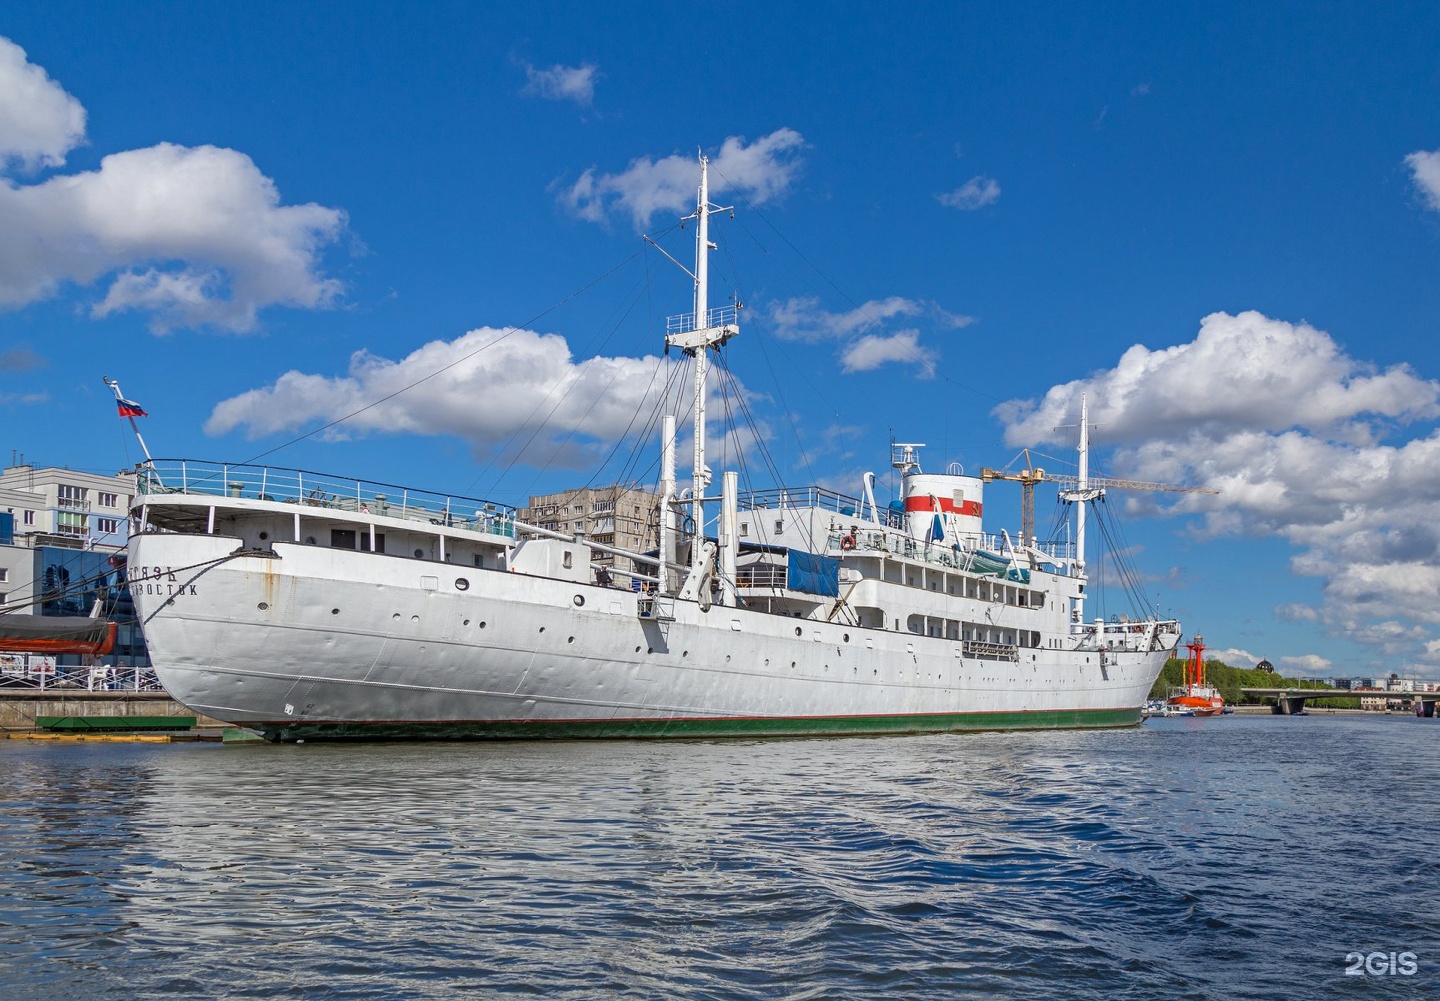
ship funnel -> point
(943, 508)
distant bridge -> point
(1289, 701)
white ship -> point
(313, 607)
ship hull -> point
(313, 643)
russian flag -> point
(129, 408)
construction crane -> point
(1029, 476)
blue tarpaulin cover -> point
(813, 574)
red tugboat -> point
(1195, 697)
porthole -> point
(542, 629)
(799, 631)
(465, 623)
(334, 611)
(684, 653)
(395, 616)
(649, 649)
(570, 640)
(264, 536)
(637, 649)
(461, 584)
(419, 553)
(579, 601)
(310, 540)
(846, 637)
(263, 605)
(482, 623)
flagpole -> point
(121, 401)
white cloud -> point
(1305, 665)
(39, 122)
(802, 319)
(975, 193)
(1425, 169)
(562, 83)
(866, 347)
(1305, 442)
(1245, 372)
(874, 350)
(1234, 656)
(193, 236)
(491, 385)
(759, 172)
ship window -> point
(568, 561)
(342, 538)
(479, 560)
(744, 528)
(779, 526)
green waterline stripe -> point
(697, 727)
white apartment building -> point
(50, 508)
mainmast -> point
(697, 334)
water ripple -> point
(1190, 859)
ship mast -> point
(697, 334)
(1081, 495)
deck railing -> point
(873, 540)
(296, 486)
(785, 498)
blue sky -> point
(1221, 222)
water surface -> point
(1240, 857)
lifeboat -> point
(56, 634)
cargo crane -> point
(1078, 490)
(1092, 487)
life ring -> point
(847, 543)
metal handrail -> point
(296, 486)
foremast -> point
(697, 334)
(1081, 496)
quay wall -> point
(18, 708)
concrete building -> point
(62, 541)
(68, 504)
(626, 517)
